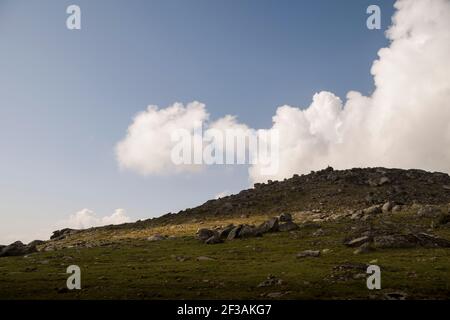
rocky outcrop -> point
(234, 233)
(156, 237)
(269, 226)
(357, 241)
(287, 226)
(373, 210)
(63, 233)
(285, 217)
(242, 231)
(19, 249)
(327, 191)
(308, 253)
(410, 240)
(428, 211)
(395, 239)
(204, 234)
(224, 232)
(214, 239)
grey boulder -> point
(204, 234)
(287, 226)
(269, 226)
(17, 249)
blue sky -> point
(67, 97)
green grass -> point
(139, 269)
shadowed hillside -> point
(329, 191)
(308, 237)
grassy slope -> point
(134, 268)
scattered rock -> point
(214, 239)
(308, 253)
(270, 281)
(156, 237)
(287, 226)
(248, 231)
(357, 215)
(373, 210)
(364, 248)
(17, 249)
(181, 258)
(395, 296)
(387, 207)
(285, 217)
(35, 243)
(62, 234)
(383, 181)
(234, 233)
(347, 271)
(357, 241)
(204, 234)
(269, 226)
(429, 211)
(318, 233)
(410, 240)
(205, 258)
(274, 295)
(223, 233)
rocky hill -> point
(328, 191)
(308, 237)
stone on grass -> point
(429, 211)
(373, 210)
(358, 241)
(214, 239)
(248, 231)
(287, 226)
(205, 258)
(204, 234)
(308, 253)
(17, 249)
(269, 226)
(387, 207)
(234, 233)
(364, 248)
(223, 233)
(156, 237)
(285, 217)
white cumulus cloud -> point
(404, 123)
(148, 144)
(86, 218)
